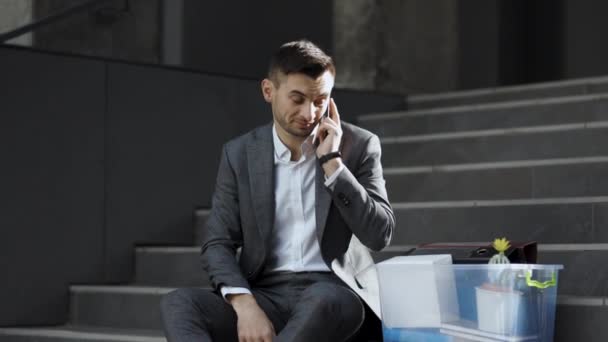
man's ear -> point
(267, 89)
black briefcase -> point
(479, 252)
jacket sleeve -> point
(222, 235)
(362, 199)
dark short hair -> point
(300, 56)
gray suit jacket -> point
(353, 218)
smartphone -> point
(325, 115)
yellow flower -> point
(501, 245)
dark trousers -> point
(308, 306)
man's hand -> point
(252, 323)
(329, 134)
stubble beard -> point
(301, 134)
(294, 131)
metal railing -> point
(65, 13)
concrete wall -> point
(478, 53)
(100, 156)
(227, 36)
(585, 36)
(355, 38)
(106, 31)
(414, 46)
(405, 46)
(52, 181)
(397, 46)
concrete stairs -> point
(528, 163)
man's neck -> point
(294, 144)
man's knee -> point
(174, 298)
(339, 302)
(179, 300)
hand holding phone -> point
(317, 138)
(329, 133)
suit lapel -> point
(260, 159)
(322, 202)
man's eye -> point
(297, 100)
(319, 103)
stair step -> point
(524, 143)
(581, 319)
(123, 307)
(584, 272)
(70, 333)
(527, 113)
(583, 275)
(574, 177)
(169, 266)
(551, 220)
(174, 266)
(540, 90)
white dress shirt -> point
(294, 246)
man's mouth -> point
(304, 124)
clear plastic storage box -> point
(426, 298)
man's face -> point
(298, 101)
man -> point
(303, 199)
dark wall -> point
(100, 156)
(531, 37)
(165, 131)
(225, 36)
(51, 181)
(586, 33)
(505, 42)
(101, 32)
(165, 128)
(478, 46)
(524, 41)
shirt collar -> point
(282, 152)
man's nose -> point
(310, 111)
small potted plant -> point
(498, 300)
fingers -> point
(329, 129)
(322, 132)
(254, 326)
(328, 125)
(333, 118)
(333, 111)
(257, 337)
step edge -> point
(480, 107)
(502, 202)
(544, 247)
(168, 250)
(506, 89)
(512, 131)
(79, 335)
(121, 289)
(571, 300)
(494, 165)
